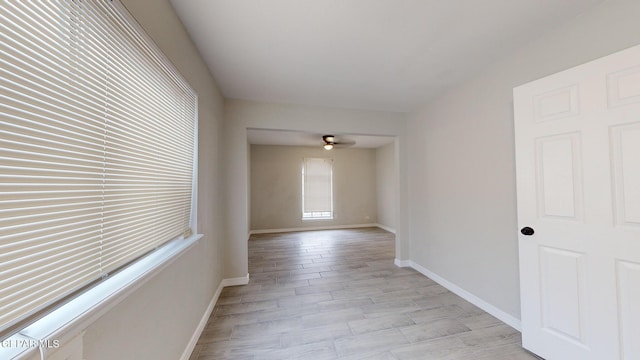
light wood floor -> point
(337, 295)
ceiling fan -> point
(331, 141)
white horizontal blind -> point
(317, 188)
(96, 149)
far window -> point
(317, 189)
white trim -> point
(203, 322)
(402, 263)
(69, 320)
(311, 228)
(235, 281)
(386, 228)
(207, 313)
(501, 315)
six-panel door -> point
(578, 179)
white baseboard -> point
(501, 315)
(402, 263)
(203, 322)
(386, 228)
(311, 228)
(235, 281)
(205, 317)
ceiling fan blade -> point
(344, 144)
(337, 141)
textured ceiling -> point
(365, 54)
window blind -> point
(317, 187)
(96, 149)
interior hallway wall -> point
(386, 186)
(462, 201)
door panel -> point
(556, 104)
(562, 288)
(578, 186)
(629, 295)
(624, 87)
(559, 176)
(625, 141)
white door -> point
(578, 177)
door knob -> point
(527, 231)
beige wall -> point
(462, 201)
(276, 186)
(157, 320)
(386, 185)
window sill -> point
(65, 323)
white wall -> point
(386, 185)
(461, 154)
(158, 320)
(241, 115)
(276, 186)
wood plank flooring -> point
(337, 295)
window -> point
(317, 189)
(97, 139)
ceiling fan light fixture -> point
(329, 141)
